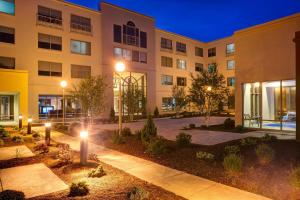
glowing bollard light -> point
(29, 126)
(20, 122)
(83, 147)
(47, 133)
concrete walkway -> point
(182, 184)
(20, 151)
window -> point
(80, 71)
(127, 54)
(80, 23)
(212, 52)
(180, 47)
(181, 64)
(143, 57)
(7, 63)
(143, 39)
(166, 80)
(135, 56)
(198, 67)
(230, 49)
(168, 104)
(230, 64)
(130, 34)
(212, 67)
(230, 81)
(166, 61)
(49, 15)
(49, 69)
(117, 33)
(166, 44)
(7, 35)
(198, 51)
(7, 6)
(49, 42)
(120, 53)
(181, 81)
(80, 47)
(7, 106)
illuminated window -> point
(80, 47)
(230, 49)
(7, 6)
(166, 80)
(181, 64)
(230, 64)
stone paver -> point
(33, 180)
(178, 182)
(20, 151)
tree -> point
(156, 112)
(208, 90)
(131, 98)
(90, 94)
(179, 95)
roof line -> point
(78, 6)
(176, 34)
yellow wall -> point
(16, 82)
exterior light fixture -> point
(83, 147)
(47, 133)
(209, 88)
(20, 122)
(29, 126)
(63, 84)
(120, 67)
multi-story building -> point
(46, 42)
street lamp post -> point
(47, 133)
(63, 84)
(20, 122)
(120, 67)
(29, 126)
(83, 147)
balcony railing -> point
(49, 21)
(80, 28)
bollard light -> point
(47, 133)
(83, 147)
(29, 125)
(20, 122)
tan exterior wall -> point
(265, 53)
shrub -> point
(268, 138)
(41, 148)
(232, 149)
(126, 132)
(79, 189)
(233, 164)
(74, 128)
(264, 153)
(11, 195)
(93, 157)
(36, 135)
(249, 141)
(183, 139)
(229, 123)
(239, 128)
(112, 115)
(149, 130)
(205, 156)
(61, 127)
(117, 138)
(192, 125)
(1, 142)
(65, 155)
(157, 146)
(295, 177)
(5, 134)
(138, 193)
(97, 173)
(156, 112)
(138, 134)
(17, 139)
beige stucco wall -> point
(265, 53)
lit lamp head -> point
(120, 67)
(84, 134)
(63, 84)
(29, 120)
(208, 88)
(48, 125)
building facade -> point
(55, 40)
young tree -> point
(179, 95)
(208, 90)
(90, 94)
(131, 98)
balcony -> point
(81, 28)
(49, 21)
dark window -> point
(180, 47)
(49, 42)
(181, 81)
(117, 33)
(166, 61)
(212, 52)
(166, 80)
(168, 104)
(135, 56)
(7, 63)
(80, 71)
(198, 51)
(166, 43)
(230, 81)
(49, 69)
(198, 67)
(7, 6)
(143, 39)
(7, 34)
(49, 15)
(131, 34)
(143, 57)
(81, 23)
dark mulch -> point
(271, 180)
(220, 127)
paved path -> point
(178, 182)
(20, 151)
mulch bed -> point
(271, 180)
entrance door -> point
(6, 107)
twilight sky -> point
(205, 20)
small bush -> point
(192, 126)
(203, 126)
(157, 146)
(138, 193)
(229, 124)
(138, 134)
(97, 173)
(5, 134)
(239, 129)
(126, 132)
(205, 156)
(232, 149)
(1, 142)
(11, 195)
(149, 130)
(17, 139)
(268, 138)
(36, 135)
(249, 141)
(41, 148)
(264, 153)
(93, 157)
(295, 177)
(156, 112)
(79, 189)
(117, 138)
(183, 139)
(233, 164)
(65, 155)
